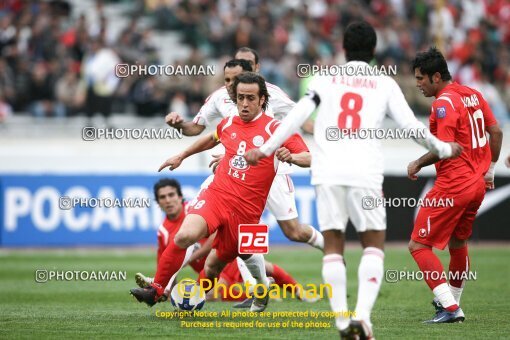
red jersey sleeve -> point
(219, 128)
(294, 143)
(445, 117)
(161, 246)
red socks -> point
(281, 277)
(170, 262)
(428, 262)
(459, 263)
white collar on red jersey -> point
(257, 116)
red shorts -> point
(231, 273)
(435, 225)
(225, 220)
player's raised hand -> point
(215, 162)
(253, 156)
(173, 163)
(456, 149)
(174, 119)
(283, 154)
(412, 169)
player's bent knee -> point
(183, 240)
(413, 246)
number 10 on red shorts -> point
(253, 239)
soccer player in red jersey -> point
(168, 195)
(459, 114)
(237, 194)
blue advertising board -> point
(34, 212)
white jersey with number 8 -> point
(348, 103)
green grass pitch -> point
(94, 309)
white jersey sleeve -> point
(279, 104)
(400, 112)
(217, 106)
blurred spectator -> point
(5, 110)
(42, 94)
(285, 33)
(69, 93)
(149, 98)
(98, 69)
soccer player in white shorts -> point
(281, 200)
(348, 172)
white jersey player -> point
(348, 172)
(281, 200)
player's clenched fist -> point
(174, 119)
(283, 155)
(173, 163)
(215, 162)
(253, 156)
(412, 169)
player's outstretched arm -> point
(496, 139)
(205, 143)
(302, 159)
(303, 109)
(415, 166)
(174, 120)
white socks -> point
(333, 273)
(257, 268)
(370, 273)
(317, 240)
(444, 295)
(245, 272)
(456, 292)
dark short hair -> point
(245, 65)
(359, 41)
(430, 62)
(250, 50)
(251, 78)
(167, 182)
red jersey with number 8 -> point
(243, 187)
(460, 114)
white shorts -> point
(281, 201)
(337, 203)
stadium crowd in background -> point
(45, 47)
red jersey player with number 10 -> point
(459, 114)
